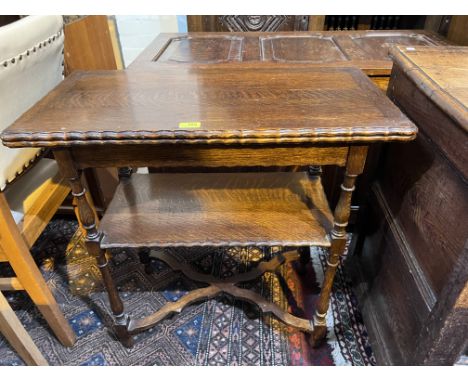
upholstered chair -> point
(31, 189)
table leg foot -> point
(122, 333)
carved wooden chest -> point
(414, 288)
(366, 49)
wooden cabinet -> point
(413, 289)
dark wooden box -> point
(414, 261)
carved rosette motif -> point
(264, 23)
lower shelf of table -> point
(227, 209)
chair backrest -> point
(31, 65)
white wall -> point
(136, 32)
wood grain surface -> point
(441, 73)
(29, 276)
(194, 157)
(88, 45)
(254, 104)
(247, 23)
(367, 50)
(164, 210)
(414, 253)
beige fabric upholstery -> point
(31, 58)
(19, 191)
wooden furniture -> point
(17, 336)
(374, 22)
(214, 116)
(456, 32)
(414, 257)
(366, 49)
(91, 44)
(31, 189)
(244, 23)
(283, 23)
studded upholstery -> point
(31, 64)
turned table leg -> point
(354, 167)
(304, 252)
(93, 237)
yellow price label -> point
(189, 125)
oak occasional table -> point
(230, 116)
(367, 50)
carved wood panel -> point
(264, 23)
(208, 50)
(244, 23)
(311, 48)
(368, 49)
(377, 45)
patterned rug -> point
(223, 331)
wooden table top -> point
(212, 104)
(368, 50)
(441, 73)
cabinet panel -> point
(422, 196)
(202, 50)
(377, 44)
(310, 49)
(367, 50)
